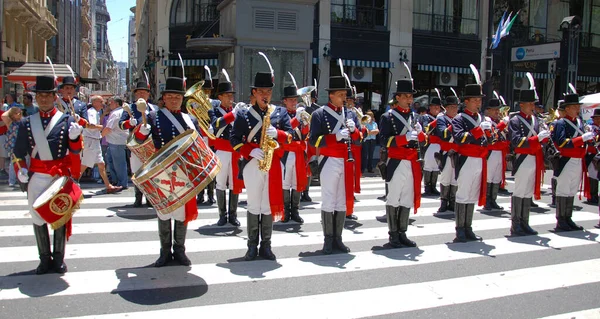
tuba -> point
(304, 94)
(198, 105)
(267, 144)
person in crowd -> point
(11, 119)
(117, 141)
(369, 142)
(29, 107)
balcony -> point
(34, 14)
(361, 17)
(445, 25)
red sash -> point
(471, 150)
(435, 140)
(340, 150)
(410, 155)
(504, 147)
(222, 144)
(298, 147)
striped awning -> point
(193, 62)
(369, 64)
(520, 74)
(315, 60)
(29, 71)
(442, 68)
(588, 78)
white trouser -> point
(289, 178)
(447, 176)
(469, 181)
(567, 183)
(494, 167)
(135, 163)
(38, 183)
(333, 190)
(225, 175)
(592, 171)
(400, 188)
(430, 162)
(178, 214)
(257, 187)
(525, 178)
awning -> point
(362, 63)
(520, 74)
(443, 69)
(29, 71)
(89, 81)
(192, 62)
(588, 78)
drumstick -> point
(14, 159)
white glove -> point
(342, 134)
(298, 116)
(141, 105)
(77, 118)
(542, 135)
(22, 176)
(133, 122)
(587, 136)
(258, 154)
(418, 128)
(145, 129)
(351, 125)
(505, 120)
(300, 109)
(211, 130)
(412, 136)
(272, 132)
(485, 125)
(75, 130)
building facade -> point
(65, 46)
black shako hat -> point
(290, 92)
(338, 83)
(451, 100)
(494, 103)
(207, 85)
(527, 96)
(405, 86)
(571, 99)
(44, 83)
(224, 87)
(68, 80)
(313, 94)
(473, 90)
(141, 85)
(596, 113)
(263, 80)
(174, 85)
(435, 101)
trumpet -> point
(198, 105)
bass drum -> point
(177, 172)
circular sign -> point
(520, 54)
(61, 204)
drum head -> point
(162, 155)
(52, 190)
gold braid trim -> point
(66, 217)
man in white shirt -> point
(92, 151)
(117, 140)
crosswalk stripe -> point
(104, 281)
(140, 248)
(584, 314)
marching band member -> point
(331, 129)
(164, 125)
(443, 132)
(311, 151)
(68, 90)
(468, 131)
(528, 164)
(570, 138)
(561, 113)
(591, 152)
(264, 188)
(400, 134)
(431, 169)
(49, 159)
(141, 91)
(496, 163)
(295, 176)
(222, 116)
(208, 87)
(356, 148)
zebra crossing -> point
(114, 245)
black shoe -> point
(328, 245)
(251, 253)
(339, 245)
(460, 235)
(471, 235)
(44, 266)
(164, 258)
(266, 252)
(561, 225)
(200, 200)
(352, 217)
(180, 257)
(516, 229)
(534, 204)
(572, 224)
(405, 241)
(395, 240)
(297, 219)
(233, 219)
(222, 220)
(383, 198)
(443, 206)
(210, 200)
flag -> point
(496, 38)
(506, 30)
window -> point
(193, 12)
(447, 16)
(368, 14)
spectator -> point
(104, 145)
(29, 108)
(92, 151)
(11, 119)
(3, 154)
(117, 140)
(369, 143)
(10, 100)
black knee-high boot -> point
(339, 219)
(164, 234)
(252, 223)
(60, 243)
(468, 221)
(42, 238)
(233, 204)
(221, 207)
(179, 236)
(266, 231)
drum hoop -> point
(53, 195)
(68, 213)
(169, 158)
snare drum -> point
(177, 172)
(57, 204)
(143, 151)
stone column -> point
(400, 23)
(324, 41)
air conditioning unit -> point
(360, 74)
(447, 79)
(521, 83)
